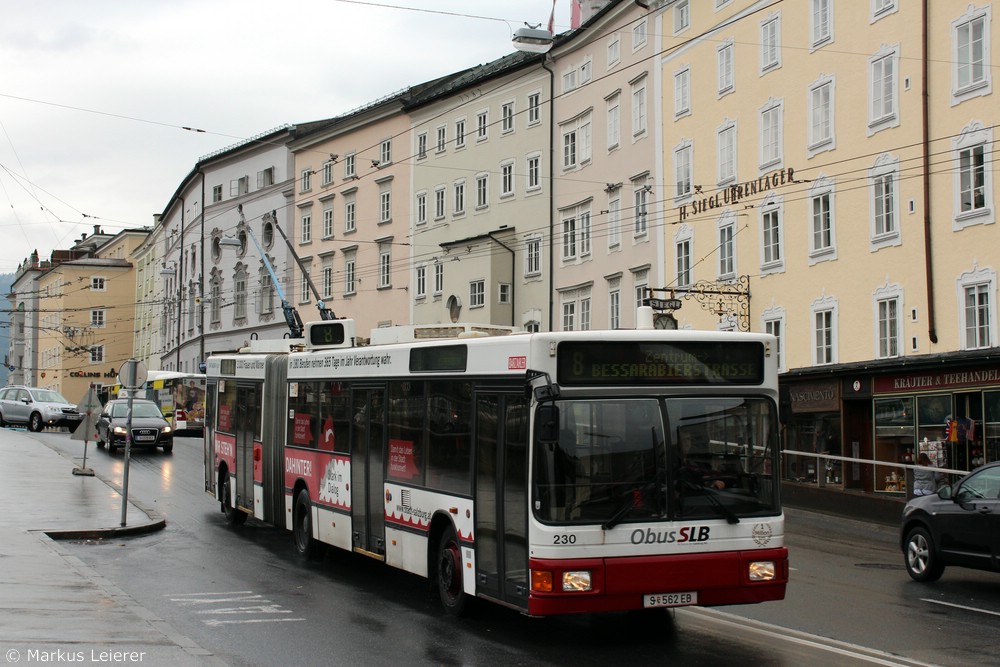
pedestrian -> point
(925, 480)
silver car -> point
(36, 408)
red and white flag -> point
(552, 18)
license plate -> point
(145, 438)
(651, 600)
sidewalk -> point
(53, 607)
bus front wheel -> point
(449, 574)
(302, 526)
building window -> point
(971, 37)
(639, 107)
(439, 204)
(639, 281)
(327, 173)
(421, 282)
(533, 256)
(97, 284)
(977, 315)
(882, 7)
(682, 254)
(328, 221)
(482, 191)
(265, 305)
(534, 173)
(385, 153)
(384, 266)
(304, 291)
(460, 133)
(327, 281)
(576, 232)
(576, 142)
(305, 227)
(459, 199)
(887, 314)
(438, 278)
(442, 139)
(97, 318)
(504, 293)
(305, 184)
(477, 294)
(641, 195)
(724, 56)
(216, 194)
(823, 236)
(823, 331)
(385, 203)
(883, 90)
(569, 81)
(775, 327)
(421, 145)
(727, 251)
(534, 104)
(614, 50)
(771, 140)
(726, 140)
(772, 238)
(639, 35)
(97, 354)
(569, 238)
(349, 277)
(421, 207)
(614, 223)
(482, 125)
(822, 22)
(682, 170)
(350, 170)
(507, 118)
(507, 179)
(614, 121)
(569, 315)
(884, 202)
(973, 176)
(682, 92)
(239, 186)
(614, 304)
(216, 309)
(682, 16)
(821, 115)
(350, 212)
(770, 43)
(240, 294)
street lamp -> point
(532, 40)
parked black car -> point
(959, 525)
(149, 428)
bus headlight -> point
(762, 570)
(576, 581)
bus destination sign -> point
(660, 363)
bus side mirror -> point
(547, 420)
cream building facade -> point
(831, 159)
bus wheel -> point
(302, 526)
(449, 574)
(234, 517)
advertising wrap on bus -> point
(553, 473)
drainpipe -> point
(180, 284)
(925, 110)
(513, 269)
(552, 182)
(201, 278)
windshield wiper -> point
(713, 498)
(620, 513)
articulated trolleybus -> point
(554, 473)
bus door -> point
(501, 494)
(368, 408)
(246, 427)
(209, 436)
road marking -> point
(260, 606)
(961, 606)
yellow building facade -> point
(828, 179)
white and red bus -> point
(553, 473)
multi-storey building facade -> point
(149, 297)
(217, 297)
(609, 237)
(480, 196)
(348, 214)
(22, 358)
(832, 159)
(86, 310)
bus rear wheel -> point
(449, 574)
(234, 516)
(302, 526)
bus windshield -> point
(649, 459)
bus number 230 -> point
(564, 538)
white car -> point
(36, 408)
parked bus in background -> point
(553, 473)
(180, 396)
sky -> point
(95, 95)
